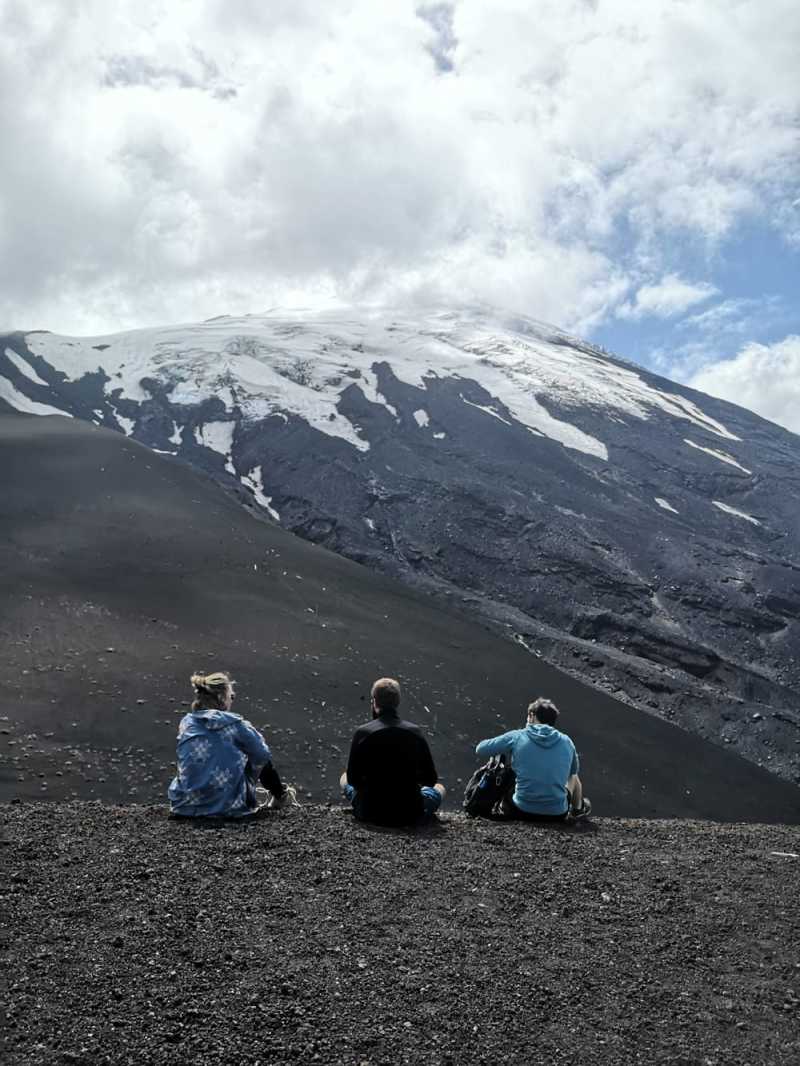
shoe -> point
(585, 810)
(287, 798)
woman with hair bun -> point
(221, 758)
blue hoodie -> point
(219, 758)
(543, 760)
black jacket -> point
(389, 762)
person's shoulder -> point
(410, 727)
(244, 723)
(511, 735)
(364, 729)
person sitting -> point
(221, 757)
(391, 778)
(545, 785)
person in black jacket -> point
(391, 777)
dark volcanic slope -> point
(636, 533)
(305, 937)
(123, 570)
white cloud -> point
(730, 316)
(706, 337)
(175, 161)
(666, 298)
(763, 377)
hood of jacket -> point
(545, 736)
(198, 722)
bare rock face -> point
(633, 532)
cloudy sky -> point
(626, 169)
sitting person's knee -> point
(432, 796)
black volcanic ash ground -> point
(306, 937)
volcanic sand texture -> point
(121, 571)
(304, 936)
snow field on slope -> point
(25, 406)
(300, 363)
(25, 368)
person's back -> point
(391, 777)
(221, 757)
(545, 765)
(211, 778)
(389, 762)
(543, 760)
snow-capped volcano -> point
(630, 530)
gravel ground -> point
(306, 937)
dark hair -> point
(386, 694)
(544, 710)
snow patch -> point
(370, 524)
(21, 403)
(177, 434)
(368, 383)
(126, 424)
(486, 410)
(421, 418)
(665, 505)
(218, 437)
(25, 368)
(732, 510)
(255, 483)
(439, 436)
(722, 456)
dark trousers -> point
(509, 809)
(270, 780)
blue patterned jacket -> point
(220, 755)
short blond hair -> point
(211, 690)
(386, 694)
(543, 709)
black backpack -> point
(487, 786)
